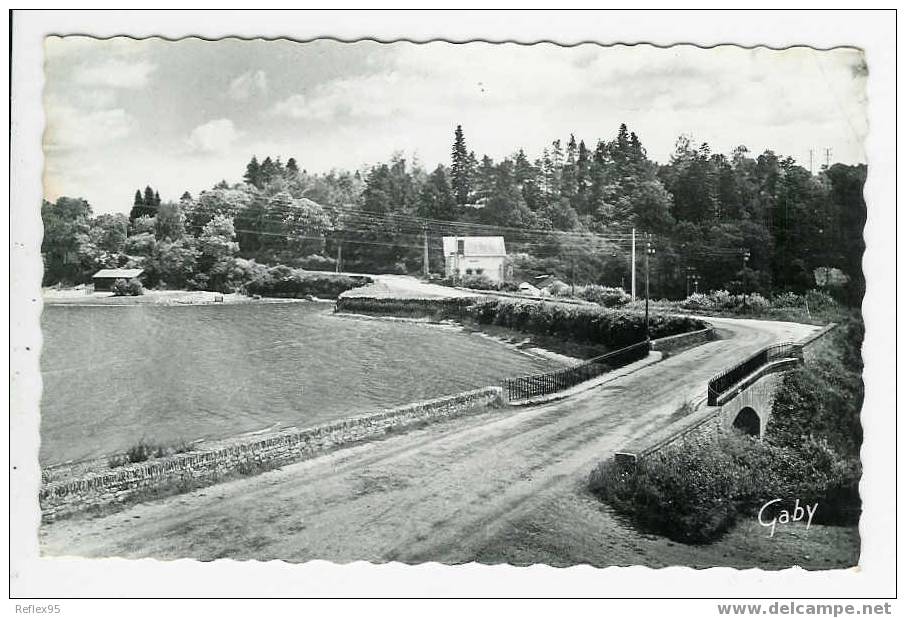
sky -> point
(182, 115)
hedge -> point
(585, 324)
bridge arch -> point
(748, 422)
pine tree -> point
(138, 206)
(149, 197)
(460, 168)
(569, 182)
(583, 180)
(252, 172)
(185, 197)
(623, 141)
(156, 199)
(292, 168)
(485, 179)
(266, 172)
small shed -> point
(104, 279)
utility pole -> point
(811, 161)
(572, 274)
(649, 251)
(827, 155)
(745, 288)
(425, 256)
(690, 277)
(633, 263)
(339, 255)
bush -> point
(722, 299)
(143, 451)
(788, 300)
(121, 287)
(604, 296)
(819, 301)
(558, 288)
(316, 262)
(694, 493)
(686, 494)
(755, 302)
(285, 282)
(478, 282)
(135, 288)
(698, 302)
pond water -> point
(117, 374)
(114, 375)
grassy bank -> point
(696, 492)
(587, 325)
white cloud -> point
(116, 73)
(93, 98)
(71, 128)
(216, 135)
(248, 85)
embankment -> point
(242, 456)
(581, 323)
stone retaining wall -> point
(676, 343)
(812, 344)
(248, 454)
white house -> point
(475, 255)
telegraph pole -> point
(425, 256)
(633, 263)
(827, 155)
(649, 251)
(339, 255)
(745, 288)
(690, 277)
(811, 161)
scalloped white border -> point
(34, 577)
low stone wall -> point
(812, 344)
(244, 455)
(677, 343)
(704, 421)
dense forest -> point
(731, 221)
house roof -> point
(117, 273)
(476, 245)
(545, 281)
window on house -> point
(479, 271)
(468, 271)
(461, 247)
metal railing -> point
(527, 387)
(723, 381)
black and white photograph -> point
(422, 301)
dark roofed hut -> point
(104, 279)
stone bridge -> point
(740, 398)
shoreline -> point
(166, 298)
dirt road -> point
(501, 486)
